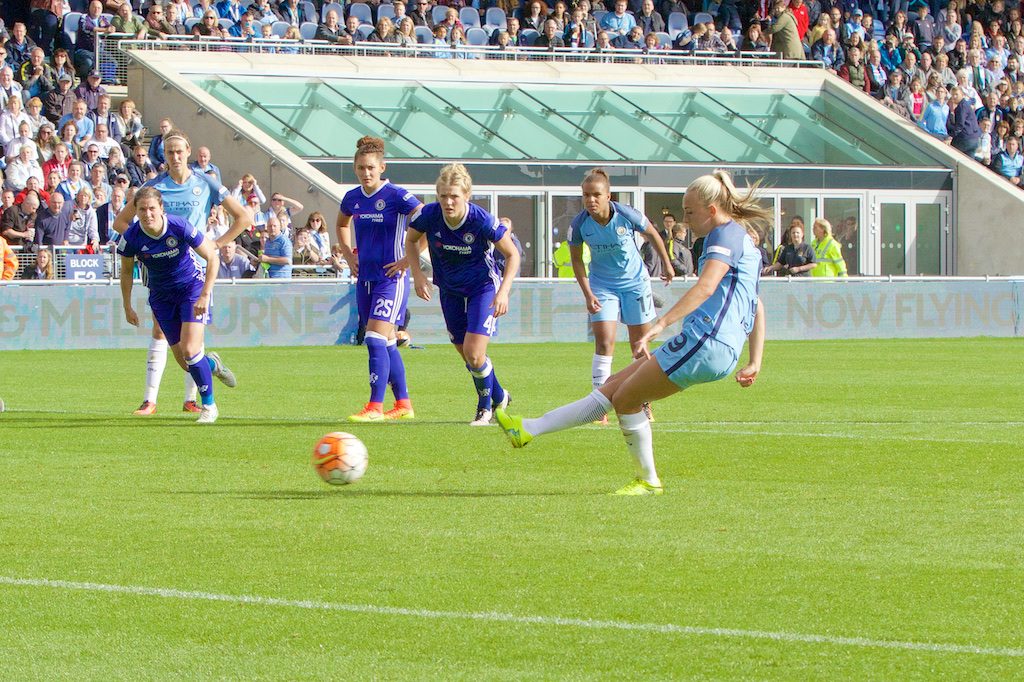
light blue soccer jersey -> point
(728, 314)
(615, 260)
(191, 200)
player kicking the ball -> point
(179, 292)
(718, 313)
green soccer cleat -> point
(513, 428)
(638, 486)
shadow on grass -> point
(331, 493)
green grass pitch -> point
(857, 514)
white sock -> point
(583, 411)
(191, 390)
(600, 369)
(156, 360)
(636, 429)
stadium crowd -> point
(70, 156)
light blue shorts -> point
(633, 304)
(693, 357)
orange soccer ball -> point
(340, 458)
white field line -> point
(498, 617)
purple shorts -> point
(469, 314)
(171, 312)
(382, 299)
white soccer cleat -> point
(483, 418)
(208, 415)
(221, 371)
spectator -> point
(51, 222)
(935, 115)
(17, 224)
(962, 125)
(550, 38)
(10, 261)
(85, 45)
(234, 265)
(331, 31)
(59, 162)
(1009, 163)
(139, 167)
(828, 52)
(82, 231)
(128, 22)
(22, 168)
(60, 102)
(246, 187)
(74, 183)
(794, 257)
(91, 91)
(828, 256)
(650, 21)
(277, 251)
(43, 269)
(618, 22)
(11, 119)
(84, 127)
(785, 36)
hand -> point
(397, 268)
(746, 376)
(500, 304)
(650, 335)
(130, 315)
(593, 305)
(201, 306)
(423, 288)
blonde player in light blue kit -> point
(618, 286)
(719, 313)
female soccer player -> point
(380, 211)
(461, 238)
(191, 196)
(719, 312)
(618, 286)
(179, 292)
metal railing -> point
(112, 57)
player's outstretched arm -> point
(655, 240)
(710, 277)
(508, 249)
(240, 221)
(343, 230)
(413, 239)
(749, 372)
(127, 274)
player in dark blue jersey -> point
(380, 212)
(719, 313)
(179, 292)
(461, 238)
(187, 195)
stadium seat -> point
(424, 36)
(386, 10)
(307, 30)
(328, 6)
(477, 36)
(469, 17)
(279, 28)
(677, 23)
(361, 11)
(702, 18)
(438, 13)
(496, 17)
(529, 36)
